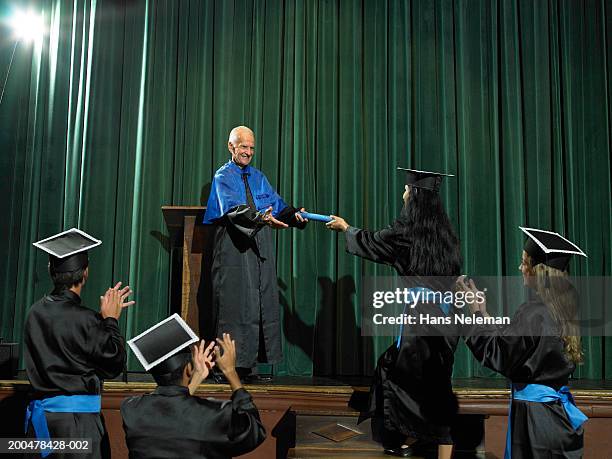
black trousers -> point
(76, 426)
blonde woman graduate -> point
(538, 352)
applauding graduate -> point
(172, 422)
(538, 352)
(70, 348)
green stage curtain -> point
(125, 106)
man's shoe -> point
(257, 379)
(400, 451)
(219, 378)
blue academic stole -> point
(445, 307)
(541, 393)
(58, 404)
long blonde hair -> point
(560, 296)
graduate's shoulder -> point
(83, 319)
(84, 313)
(38, 306)
(535, 315)
(154, 401)
(53, 307)
(137, 402)
(224, 170)
(130, 403)
(533, 308)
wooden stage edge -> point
(318, 398)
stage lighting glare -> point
(27, 25)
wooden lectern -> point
(187, 231)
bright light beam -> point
(27, 26)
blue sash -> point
(542, 394)
(445, 307)
(59, 404)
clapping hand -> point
(114, 300)
(226, 360)
(478, 302)
(202, 361)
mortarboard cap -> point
(549, 248)
(423, 179)
(161, 349)
(68, 250)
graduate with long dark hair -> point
(411, 394)
(538, 352)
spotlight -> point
(27, 26)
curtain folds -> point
(124, 107)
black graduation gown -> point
(171, 423)
(69, 349)
(245, 299)
(527, 352)
(411, 392)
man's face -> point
(243, 150)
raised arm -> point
(375, 246)
(244, 430)
(105, 345)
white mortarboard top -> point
(424, 179)
(156, 346)
(549, 248)
(68, 249)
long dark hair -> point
(430, 246)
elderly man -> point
(244, 208)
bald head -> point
(241, 145)
(238, 133)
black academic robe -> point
(528, 352)
(411, 393)
(171, 423)
(69, 349)
(245, 299)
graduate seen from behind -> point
(173, 423)
(69, 348)
(411, 397)
(538, 352)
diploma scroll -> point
(316, 217)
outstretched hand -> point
(114, 300)
(337, 224)
(272, 222)
(299, 217)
